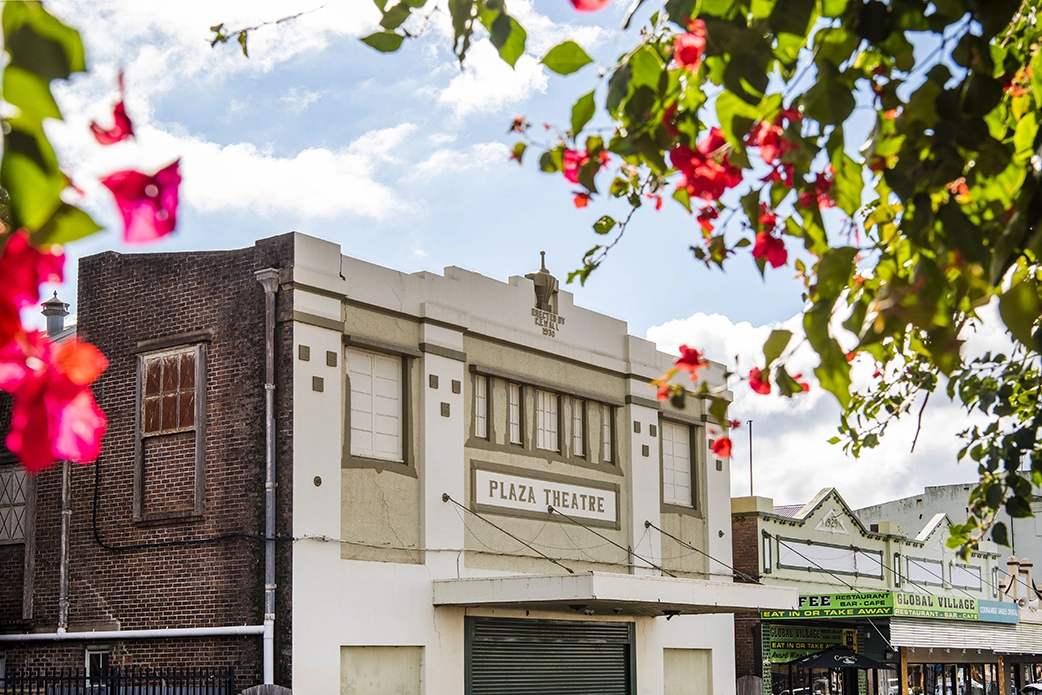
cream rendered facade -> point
(388, 568)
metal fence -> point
(127, 680)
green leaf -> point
(507, 35)
(834, 272)
(999, 534)
(31, 175)
(242, 42)
(519, 151)
(831, 100)
(775, 345)
(604, 225)
(848, 183)
(566, 58)
(68, 223)
(1020, 307)
(618, 87)
(394, 17)
(29, 93)
(384, 41)
(646, 66)
(39, 43)
(582, 111)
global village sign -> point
(896, 604)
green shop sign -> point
(791, 642)
(897, 604)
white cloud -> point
(487, 84)
(480, 156)
(792, 456)
(299, 98)
(316, 182)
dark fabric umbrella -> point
(840, 657)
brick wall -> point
(745, 549)
(199, 570)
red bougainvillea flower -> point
(722, 447)
(770, 247)
(667, 121)
(690, 47)
(804, 386)
(691, 361)
(822, 193)
(55, 415)
(148, 203)
(23, 267)
(581, 200)
(705, 218)
(706, 172)
(734, 424)
(768, 219)
(121, 128)
(589, 5)
(759, 381)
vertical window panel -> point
(481, 407)
(169, 397)
(578, 427)
(515, 413)
(607, 430)
(546, 421)
(676, 465)
(13, 493)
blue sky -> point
(402, 160)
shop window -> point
(677, 475)
(481, 406)
(376, 405)
(578, 427)
(170, 447)
(546, 420)
(607, 433)
(14, 489)
(514, 413)
(966, 577)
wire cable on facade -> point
(912, 581)
(629, 551)
(445, 497)
(743, 575)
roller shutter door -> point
(543, 657)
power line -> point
(743, 575)
(629, 551)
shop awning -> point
(612, 594)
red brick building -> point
(167, 530)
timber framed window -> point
(14, 504)
(169, 475)
(515, 412)
(607, 433)
(579, 427)
(678, 471)
(481, 410)
(547, 420)
(376, 412)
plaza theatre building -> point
(370, 481)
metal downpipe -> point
(269, 279)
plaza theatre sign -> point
(500, 489)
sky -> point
(402, 159)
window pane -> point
(152, 415)
(515, 414)
(170, 379)
(546, 422)
(606, 431)
(187, 409)
(152, 376)
(676, 464)
(578, 427)
(169, 411)
(13, 485)
(188, 370)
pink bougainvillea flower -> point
(759, 381)
(573, 161)
(770, 247)
(722, 447)
(706, 171)
(148, 203)
(54, 415)
(690, 360)
(23, 267)
(589, 5)
(690, 47)
(121, 128)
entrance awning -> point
(612, 594)
(841, 657)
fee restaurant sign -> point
(898, 604)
